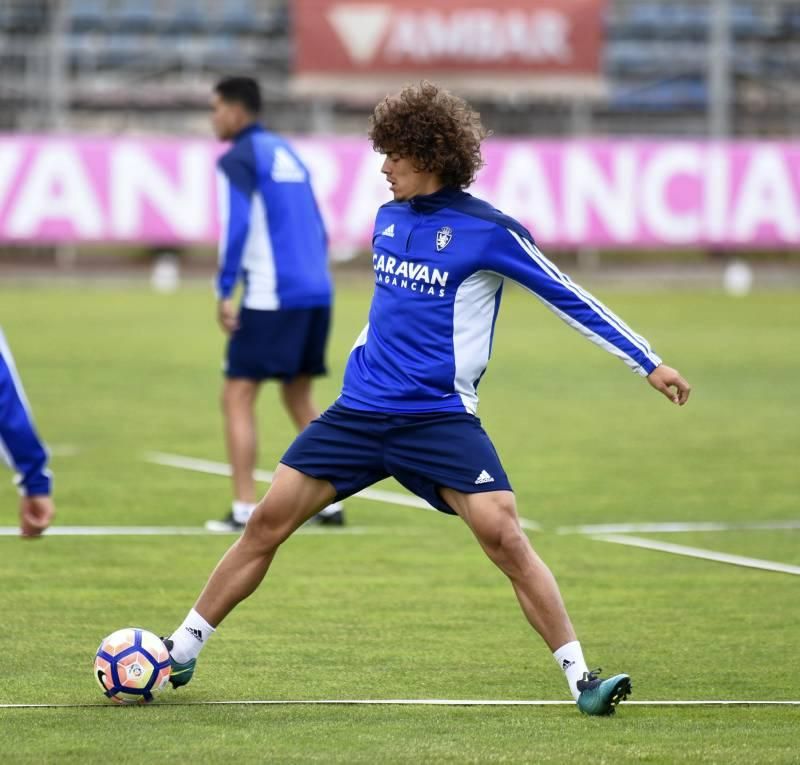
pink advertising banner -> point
(624, 193)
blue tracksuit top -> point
(20, 446)
(439, 262)
(271, 231)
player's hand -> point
(35, 514)
(227, 316)
(670, 383)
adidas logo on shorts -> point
(484, 477)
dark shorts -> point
(278, 344)
(354, 449)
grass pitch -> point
(411, 608)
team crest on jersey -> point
(443, 237)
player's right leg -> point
(291, 500)
(339, 453)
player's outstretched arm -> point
(670, 383)
(35, 514)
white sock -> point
(190, 637)
(570, 658)
(242, 511)
(331, 509)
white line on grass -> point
(416, 702)
(220, 468)
(172, 531)
(697, 552)
(676, 527)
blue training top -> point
(439, 262)
(271, 230)
(20, 446)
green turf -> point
(412, 609)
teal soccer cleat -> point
(600, 697)
(179, 674)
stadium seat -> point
(86, 15)
(189, 16)
(668, 95)
(136, 16)
(236, 16)
(27, 18)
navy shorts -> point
(353, 449)
(279, 344)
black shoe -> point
(334, 518)
(227, 524)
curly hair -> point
(436, 130)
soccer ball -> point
(132, 666)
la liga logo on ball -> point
(132, 666)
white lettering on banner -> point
(523, 192)
(56, 188)
(716, 176)
(184, 204)
(481, 34)
(10, 159)
(368, 189)
(586, 187)
(663, 168)
(766, 198)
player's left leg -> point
(492, 518)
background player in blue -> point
(22, 449)
(272, 238)
(409, 398)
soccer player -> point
(22, 449)
(408, 402)
(273, 239)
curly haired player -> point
(409, 398)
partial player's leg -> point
(493, 519)
(291, 500)
(238, 402)
(241, 434)
(339, 453)
(427, 454)
(296, 396)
